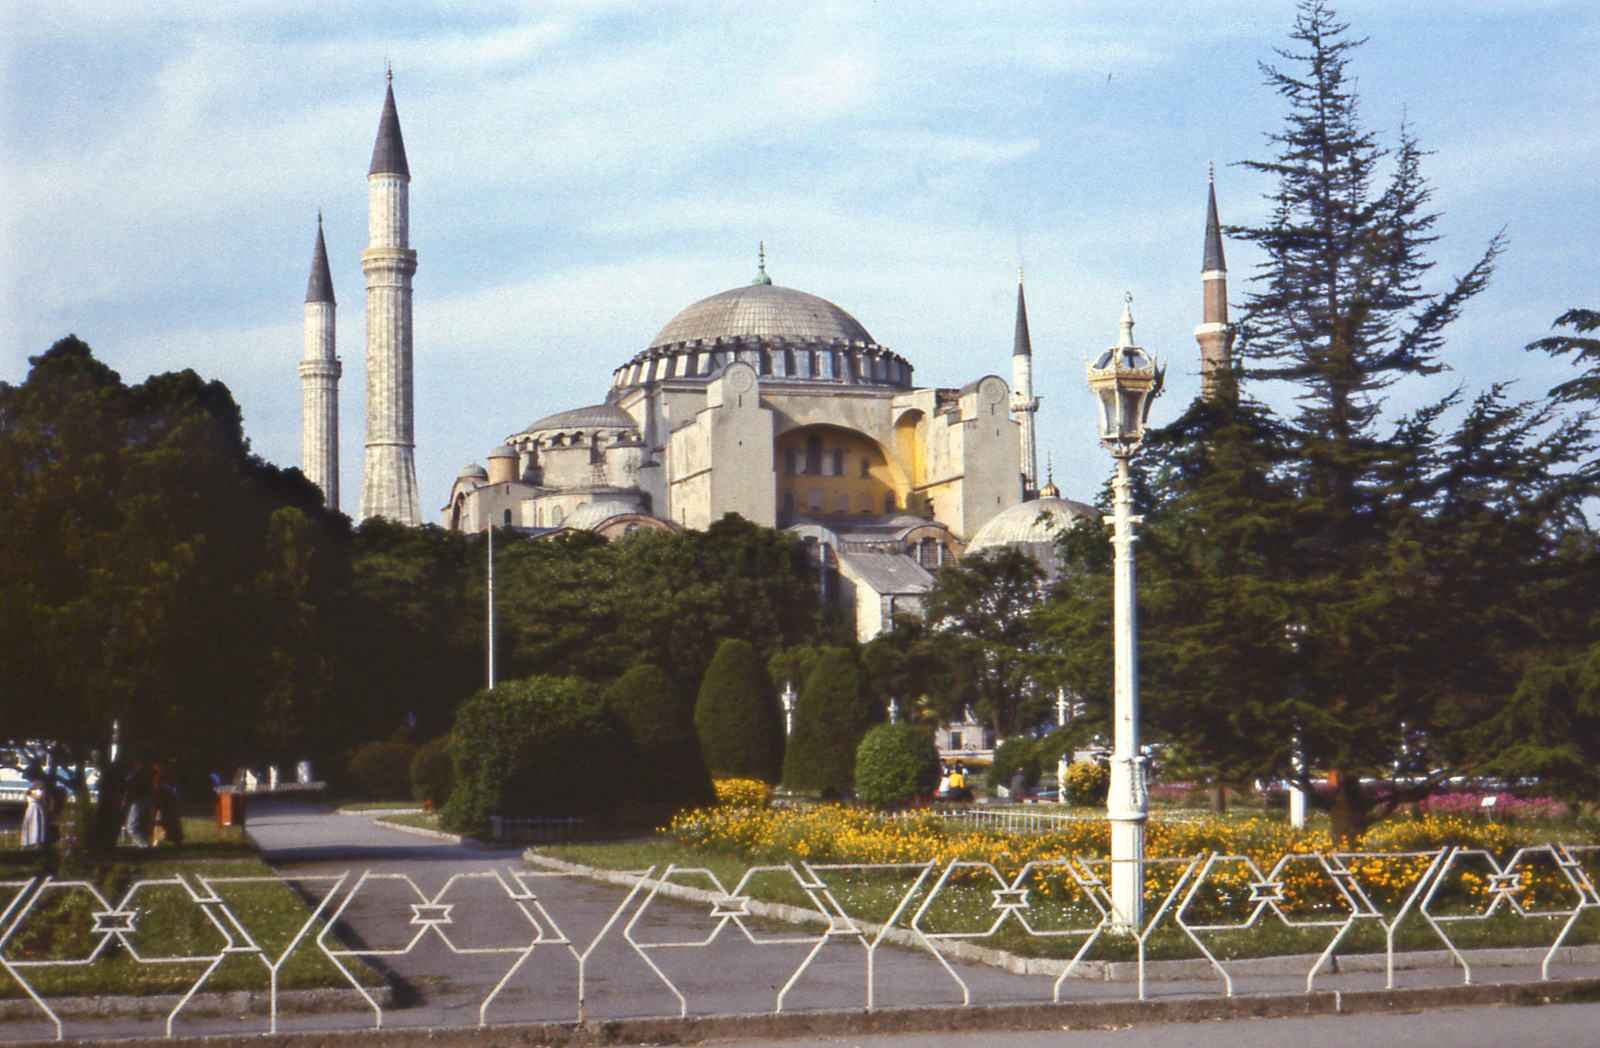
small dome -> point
(1029, 527)
(600, 416)
(503, 451)
(594, 514)
(763, 311)
(472, 471)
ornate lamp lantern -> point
(1126, 380)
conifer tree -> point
(737, 715)
(832, 716)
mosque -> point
(761, 400)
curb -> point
(1110, 971)
(209, 1005)
(1086, 1015)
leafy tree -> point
(671, 769)
(895, 764)
(157, 577)
(737, 715)
(981, 612)
(832, 715)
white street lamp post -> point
(788, 708)
(1126, 381)
(1061, 762)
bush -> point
(1016, 752)
(382, 770)
(743, 793)
(671, 769)
(830, 719)
(432, 774)
(737, 716)
(895, 763)
(1087, 782)
(545, 746)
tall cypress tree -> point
(737, 715)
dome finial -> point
(1050, 490)
(761, 265)
(1126, 338)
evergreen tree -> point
(1361, 590)
(1584, 350)
(737, 715)
(671, 769)
(832, 715)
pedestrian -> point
(36, 817)
(1019, 785)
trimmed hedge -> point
(737, 716)
(545, 746)
(671, 769)
(1088, 782)
(382, 770)
(895, 763)
(432, 774)
(831, 717)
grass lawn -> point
(421, 820)
(56, 936)
(966, 906)
(396, 805)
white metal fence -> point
(356, 924)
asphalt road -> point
(1550, 1026)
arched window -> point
(557, 515)
(888, 502)
(841, 504)
(864, 503)
(866, 468)
(814, 456)
(928, 554)
(507, 516)
(790, 502)
(838, 462)
(815, 502)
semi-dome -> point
(599, 416)
(763, 311)
(785, 334)
(1032, 527)
(593, 514)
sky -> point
(583, 171)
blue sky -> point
(583, 171)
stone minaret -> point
(1023, 403)
(1215, 335)
(389, 481)
(319, 381)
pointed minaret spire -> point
(761, 266)
(319, 381)
(389, 476)
(389, 151)
(320, 287)
(1214, 334)
(1023, 403)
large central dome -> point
(763, 312)
(786, 335)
